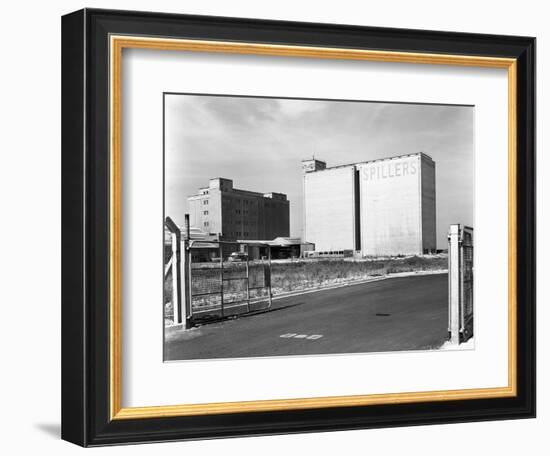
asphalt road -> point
(405, 313)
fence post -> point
(186, 284)
(247, 279)
(176, 268)
(454, 284)
(176, 278)
(180, 275)
(221, 280)
(186, 276)
(269, 269)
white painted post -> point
(221, 279)
(176, 278)
(181, 285)
(454, 284)
(185, 284)
(247, 279)
(270, 294)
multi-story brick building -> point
(239, 214)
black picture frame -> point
(85, 228)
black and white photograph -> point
(275, 228)
(297, 227)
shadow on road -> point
(209, 319)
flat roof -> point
(277, 242)
(394, 157)
(241, 192)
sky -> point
(259, 143)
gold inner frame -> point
(117, 44)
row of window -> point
(239, 233)
(273, 205)
(231, 222)
(240, 223)
(237, 201)
(229, 202)
(242, 211)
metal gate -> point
(209, 278)
(461, 283)
(226, 280)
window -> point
(206, 223)
(205, 201)
(205, 212)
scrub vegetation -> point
(289, 276)
(307, 274)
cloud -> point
(260, 142)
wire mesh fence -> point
(223, 277)
(215, 281)
(467, 278)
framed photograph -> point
(277, 227)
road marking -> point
(301, 336)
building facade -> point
(239, 214)
(378, 207)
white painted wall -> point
(392, 196)
(30, 186)
(390, 206)
(330, 208)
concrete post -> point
(247, 279)
(176, 279)
(454, 284)
(181, 277)
(221, 280)
(185, 274)
(268, 278)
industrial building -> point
(239, 214)
(281, 248)
(376, 207)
